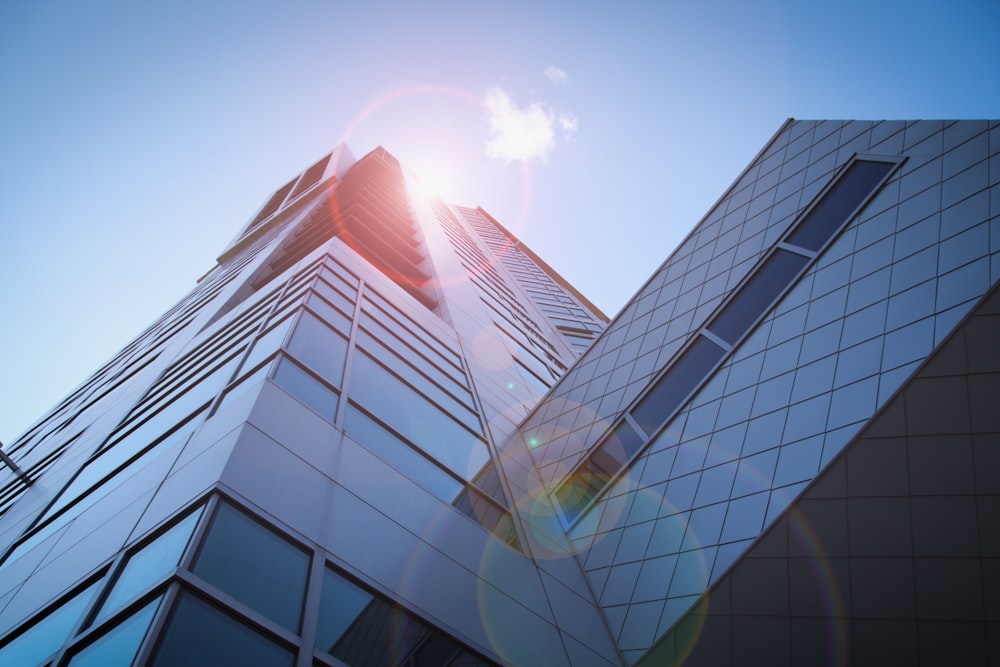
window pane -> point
(340, 604)
(200, 634)
(401, 455)
(364, 630)
(757, 295)
(45, 637)
(830, 214)
(268, 343)
(255, 566)
(683, 377)
(415, 417)
(319, 347)
(118, 647)
(150, 564)
(306, 388)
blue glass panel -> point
(726, 556)
(412, 415)
(757, 295)
(113, 457)
(690, 456)
(624, 441)
(200, 634)
(255, 566)
(735, 408)
(362, 629)
(319, 347)
(118, 647)
(691, 574)
(680, 493)
(814, 379)
(858, 362)
(306, 388)
(755, 473)
(45, 637)
(726, 444)
(704, 526)
(150, 564)
(268, 343)
(667, 535)
(401, 455)
(241, 386)
(715, 485)
(341, 603)
(329, 314)
(798, 461)
(681, 379)
(425, 378)
(764, 432)
(773, 394)
(848, 193)
(853, 402)
(807, 418)
(745, 517)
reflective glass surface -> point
(757, 295)
(255, 566)
(415, 417)
(45, 637)
(341, 604)
(319, 347)
(306, 388)
(400, 455)
(684, 376)
(118, 647)
(365, 630)
(200, 634)
(150, 564)
(850, 191)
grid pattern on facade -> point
(801, 385)
(901, 525)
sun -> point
(433, 180)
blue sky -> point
(137, 138)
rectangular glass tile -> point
(306, 388)
(254, 565)
(150, 564)
(118, 647)
(201, 634)
(319, 347)
(45, 637)
(401, 455)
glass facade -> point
(382, 431)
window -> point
(304, 386)
(363, 629)
(254, 565)
(117, 647)
(415, 417)
(684, 375)
(756, 296)
(151, 563)
(47, 635)
(200, 634)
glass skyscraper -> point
(382, 431)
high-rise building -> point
(382, 431)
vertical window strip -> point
(773, 276)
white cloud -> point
(555, 75)
(518, 133)
(569, 124)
